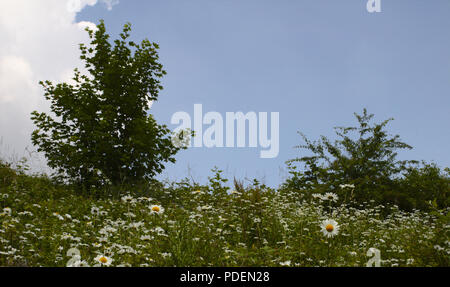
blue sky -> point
(315, 62)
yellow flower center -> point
(155, 208)
(103, 260)
(329, 227)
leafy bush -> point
(7, 174)
(366, 169)
(426, 187)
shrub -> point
(369, 164)
(426, 186)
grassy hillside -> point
(185, 225)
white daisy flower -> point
(103, 260)
(7, 211)
(329, 228)
(156, 209)
(77, 262)
(330, 196)
(95, 210)
(128, 199)
(286, 263)
(317, 195)
(146, 237)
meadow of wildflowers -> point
(180, 224)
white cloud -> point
(39, 42)
(110, 3)
(78, 5)
(83, 25)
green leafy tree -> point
(368, 162)
(102, 131)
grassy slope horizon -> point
(181, 224)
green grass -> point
(206, 226)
